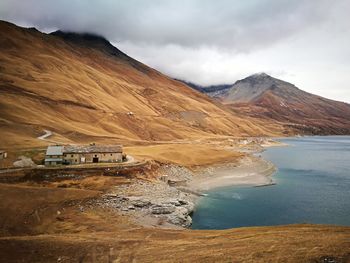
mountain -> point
(212, 91)
(83, 89)
(263, 96)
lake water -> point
(313, 186)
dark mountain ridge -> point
(97, 42)
(89, 40)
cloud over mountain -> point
(212, 42)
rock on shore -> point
(158, 200)
(169, 201)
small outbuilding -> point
(54, 155)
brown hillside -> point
(262, 96)
(82, 88)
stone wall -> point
(76, 158)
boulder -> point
(162, 209)
(177, 182)
(190, 207)
(141, 203)
(180, 217)
(182, 202)
(111, 195)
(173, 203)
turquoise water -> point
(313, 186)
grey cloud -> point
(233, 25)
(213, 41)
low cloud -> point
(233, 25)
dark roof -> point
(93, 149)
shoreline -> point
(252, 170)
(167, 197)
(169, 201)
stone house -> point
(86, 154)
(93, 154)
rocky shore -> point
(157, 203)
(152, 204)
(169, 200)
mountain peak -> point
(73, 36)
(260, 74)
(258, 80)
(98, 42)
(89, 40)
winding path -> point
(44, 136)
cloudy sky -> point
(213, 41)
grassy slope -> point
(38, 233)
(184, 154)
(83, 94)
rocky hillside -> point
(263, 96)
(83, 89)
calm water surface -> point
(313, 186)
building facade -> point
(84, 154)
(92, 154)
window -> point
(95, 155)
(72, 155)
(76, 160)
(111, 154)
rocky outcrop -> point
(162, 209)
(156, 199)
(181, 217)
(174, 211)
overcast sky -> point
(213, 41)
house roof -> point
(54, 150)
(93, 149)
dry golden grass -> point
(84, 94)
(184, 154)
(27, 210)
(299, 243)
(33, 231)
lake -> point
(313, 186)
